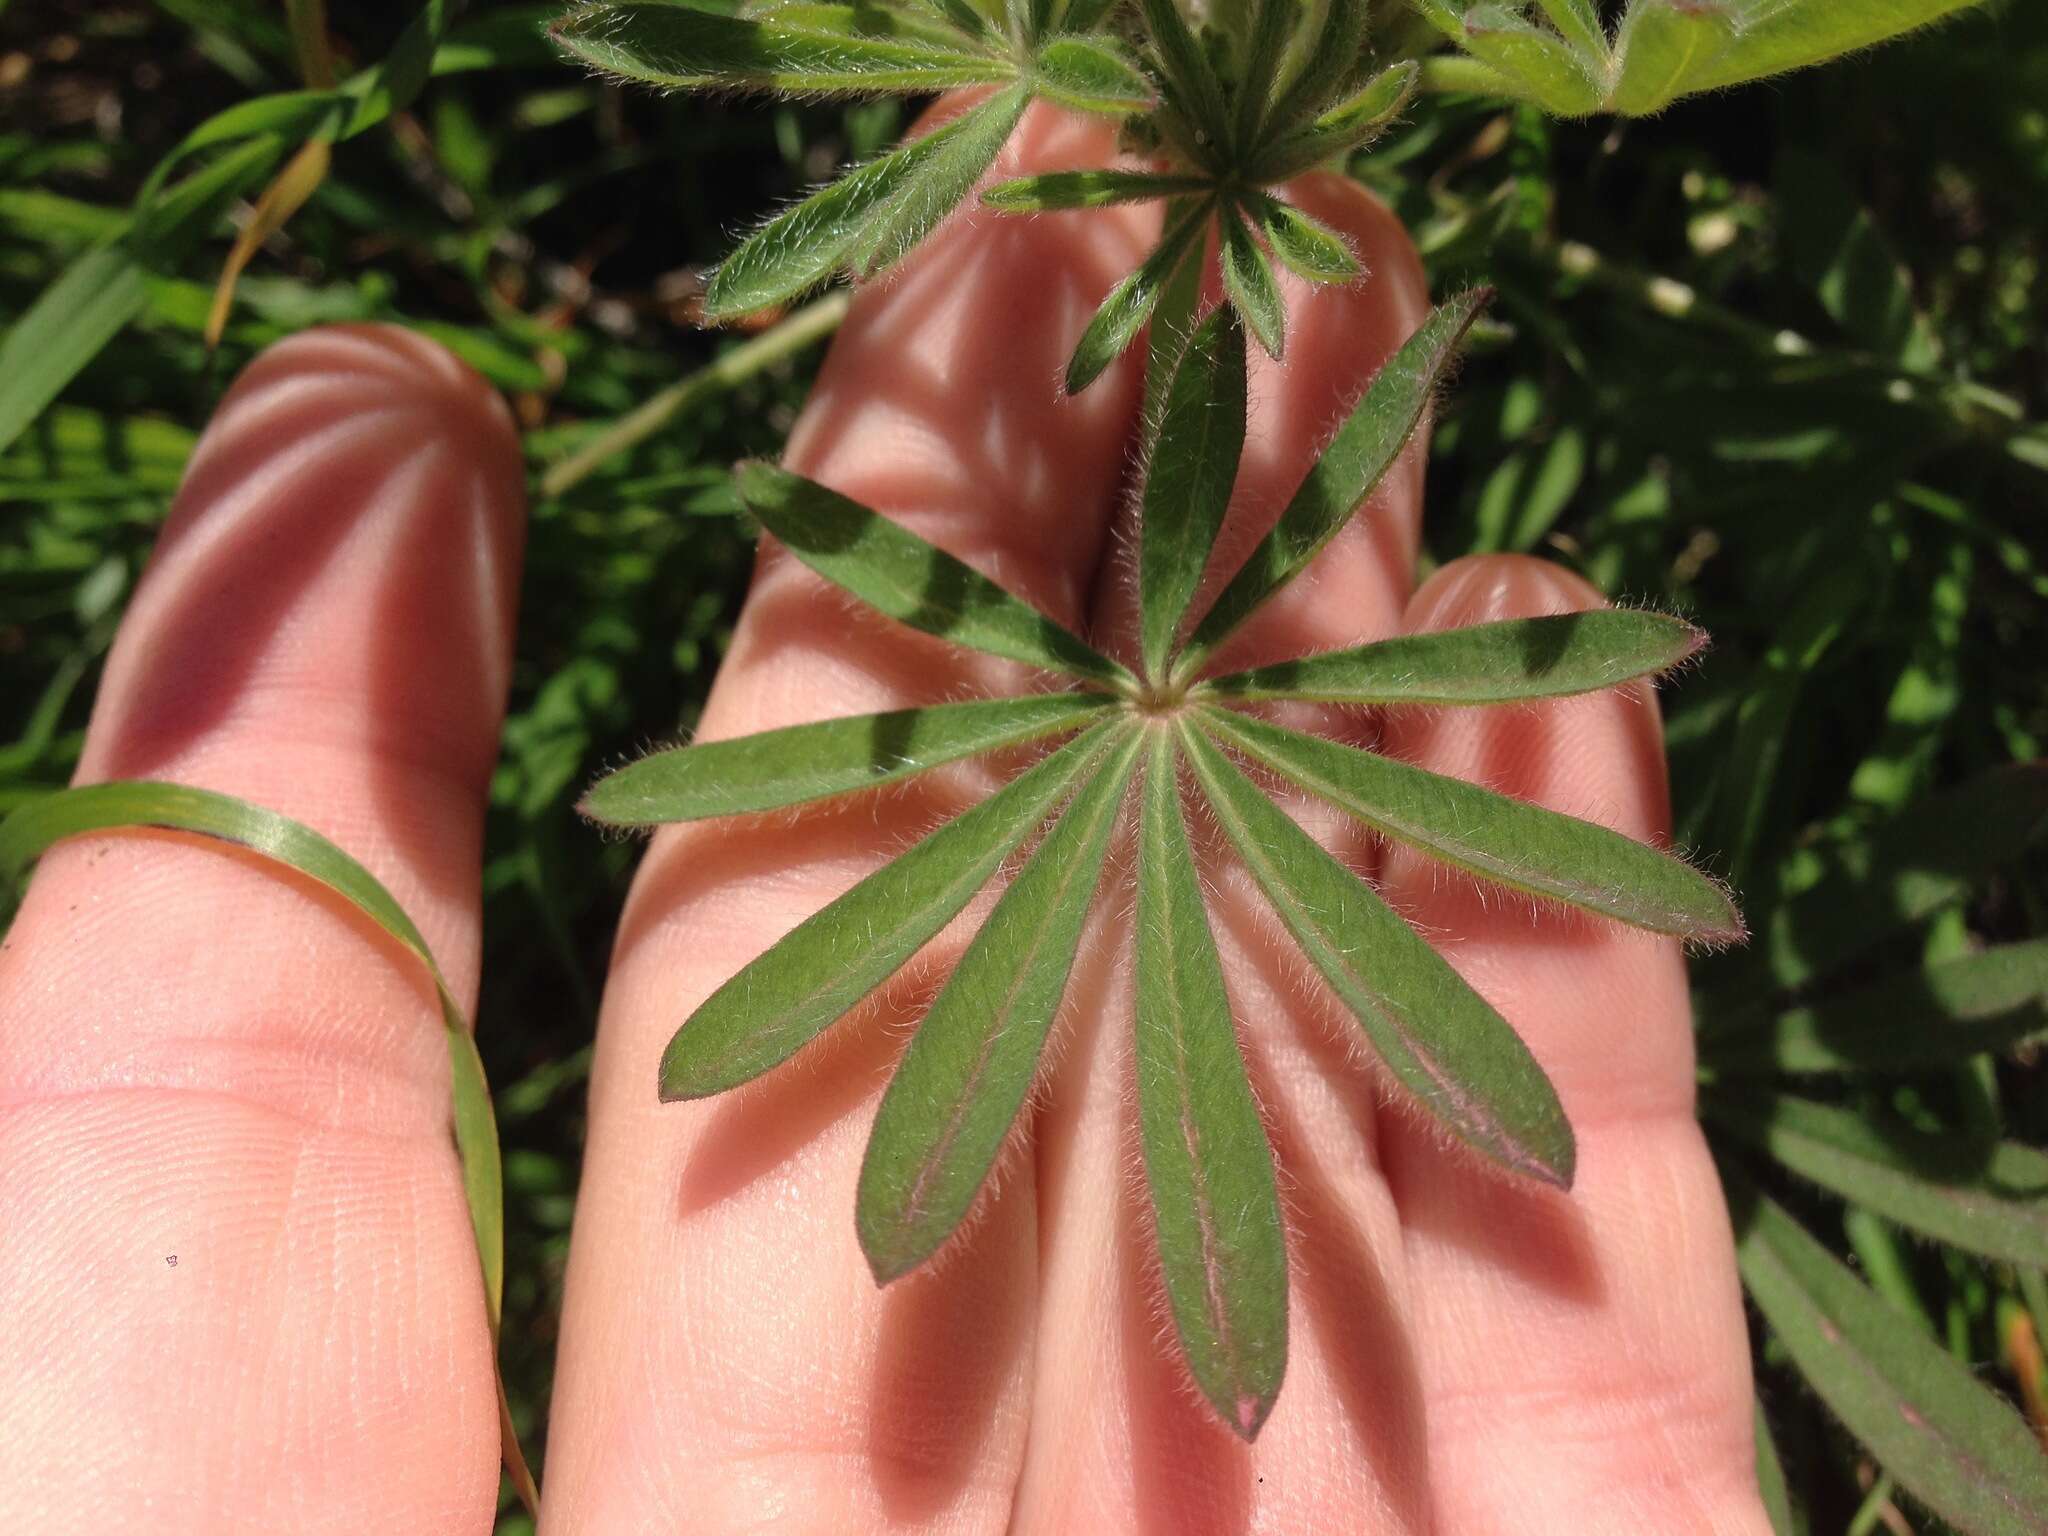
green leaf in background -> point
(1363, 450)
(1494, 837)
(1090, 74)
(1665, 44)
(897, 573)
(1216, 1210)
(1438, 1037)
(1990, 1199)
(831, 960)
(1084, 189)
(1504, 662)
(1306, 246)
(669, 44)
(1193, 466)
(1117, 321)
(939, 184)
(1836, 247)
(1949, 1440)
(832, 757)
(951, 1104)
(1785, 1517)
(1942, 1014)
(1252, 289)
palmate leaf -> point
(1988, 1198)
(892, 570)
(1950, 1441)
(809, 979)
(1120, 316)
(1498, 663)
(1361, 453)
(950, 1105)
(832, 757)
(940, 183)
(1252, 289)
(1510, 842)
(1216, 1210)
(1438, 1037)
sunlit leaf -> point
(1495, 837)
(1216, 1211)
(1363, 450)
(1116, 323)
(1543, 63)
(894, 571)
(825, 965)
(1438, 1037)
(832, 757)
(1188, 481)
(1949, 1440)
(1252, 289)
(1663, 46)
(1084, 189)
(1497, 663)
(298, 181)
(940, 183)
(1578, 22)
(1306, 246)
(1090, 74)
(967, 1070)
(1778, 35)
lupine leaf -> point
(1216, 1211)
(1117, 321)
(1780, 35)
(1578, 22)
(940, 183)
(1498, 663)
(1990, 1198)
(1306, 246)
(1542, 62)
(951, 1103)
(1194, 87)
(1363, 450)
(1345, 127)
(1254, 293)
(1175, 314)
(1189, 479)
(1323, 67)
(1942, 1014)
(1089, 74)
(869, 22)
(832, 757)
(1273, 23)
(1507, 841)
(894, 571)
(1664, 45)
(1438, 1037)
(1949, 1440)
(1084, 189)
(666, 43)
(831, 960)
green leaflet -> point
(1254, 292)
(940, 183)
(1345, 127)
(892, 570)
(1989, 1198)
(1321, 66)
(1499, 663)
(1937, 1016)
(1664, 45)
(1117, 320)
(832, 757)
(1273, 23)
(963, 1079)
(1780, 35)
(666, 43)
(1191, 79)
(864, 21)
(1442, 1040)
(1193, 466)
(1216, 1210)
(1508, 841)
(832, 959)
(1306, 246)
(1089, 74)
(1578, 21)
(1949, 1441)
(1543, 63)
(1363, 450)
(1084, 189)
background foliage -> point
(1773, 359)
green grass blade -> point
(680, 47)
(950, 1105)
(1541, 62)
(1084, 189)
(1363, 450)
(1507, 841)
(1785, 1518)
(1116, 323)
(841, 953)
(1090, 74)
(832, 757)
(1940, 1015)
(892, 570)
(1990, 1198)
(940, 184)
(1438, 1037)
(1663, 47)
(1216, 1210)
(1500, 663)
(1306, 246)
(1192, 468)
(1792, 34)
(1253, 290)
(1950, 1441)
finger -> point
(1584, 1356)
(244, 1293)
(727, 1359)
(1119, 1440)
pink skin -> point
(203, 1059)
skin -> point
(205, 1060)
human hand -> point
(1469, 1355)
